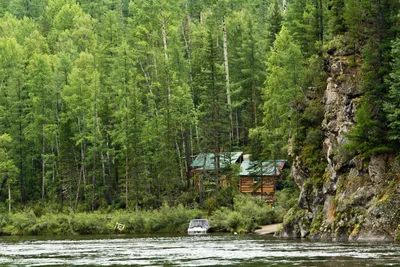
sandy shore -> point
(268, 229)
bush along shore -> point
(245, 215)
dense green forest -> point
(105, 103)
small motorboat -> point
(198, 227)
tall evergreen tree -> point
(80, 98)
(392, 105)
(8, 170)
(284, 87)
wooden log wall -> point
(248, 185)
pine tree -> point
(42, 107)
(284, 87)
(80, 100)
(363, 139)
(8, 170)
(14, 117)
(392, 105)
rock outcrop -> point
(359, 198)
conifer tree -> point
(42, 108)
(392, 105)
(80, 98)
(284, 86)
(8, 170)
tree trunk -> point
(9, 198)
(228, 89)
(188, 161)
(93, 181)
(178, 151)
(217, 160)
(186, 35)
(164, 36)
(237, 128)
(78, 188)
(83, 155)
(43, 161)
(21, 153)
(103, 171)
(43, 145)
(126, 180)
(95, 130)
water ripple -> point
(211, 250)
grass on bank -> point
(246, 214)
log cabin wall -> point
(250, 185)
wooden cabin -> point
(259, 179)
(206, 161)
(205, 164)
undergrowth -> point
(246, 214)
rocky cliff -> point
(357, 198)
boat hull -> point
(198, 227)
(197, 231)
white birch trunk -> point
(226, 65)
(164, 36)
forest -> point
(104, 104)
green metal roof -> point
(268, 168)
(205, 161)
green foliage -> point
(305, 23)
(284, 87)
(19, 223)
(337, 21)
(247, 214)
(285, 199)
(254, 209)
(363, 138)
(106, 104)
(392, 105)
(210, 204)
(83, 224)
(274, 21)
(167, 219)
(226, 196)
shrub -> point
(21, 223)
(210, 205)
(234, 221)
(218, 219)
(255, 209)
(85, 224)
(248, 212)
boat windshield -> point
(199, 223)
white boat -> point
(198, 227)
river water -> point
(210, 250)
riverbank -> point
(244, 216)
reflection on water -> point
(210, 250)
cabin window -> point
(256, 179)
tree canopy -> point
(106, 103)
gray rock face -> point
(298, 172)
(377, 168)
(360, 198)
